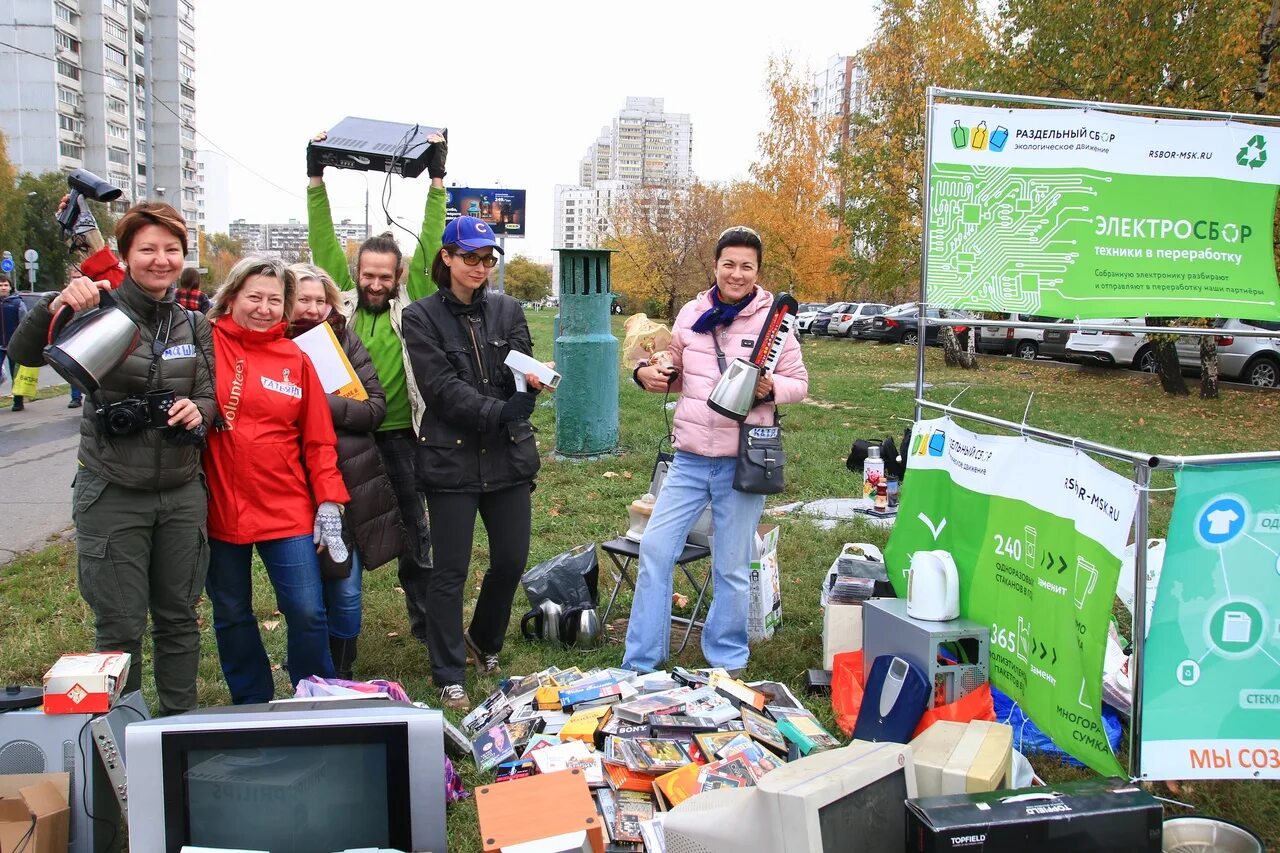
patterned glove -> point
(314, 168)
(85, 221)
(328, 529)
(436, 156)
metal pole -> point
(1102, 105)
(921, 321)
(502, 264)
(1141, 522)
(1048, 435)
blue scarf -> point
(720, 313)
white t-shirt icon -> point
(1220, 521)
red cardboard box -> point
(85, 684)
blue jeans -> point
(342, 602)
(691, 483)
(294, 570)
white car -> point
(855, 317)
(1117, 347)
(1255, 361)
(806, 315)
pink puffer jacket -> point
(697, 428)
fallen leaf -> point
(680, 600)
(554, 512)
(1142, 421)
(275, 612)
(271, 624)
(393, 633)
(275, 667)
(399, 589)
(609, 475)
(626, 475)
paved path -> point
(37, 463)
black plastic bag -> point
(570, 579)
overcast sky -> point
(523, 88)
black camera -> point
(135, 413)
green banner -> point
(1038, 556)
(1075, 215)
(1211, 671)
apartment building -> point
(109, 86)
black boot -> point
(17, 403)
(344, 655)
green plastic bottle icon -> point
(959, 135)
(979, 137)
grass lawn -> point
(41, 613)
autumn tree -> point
(1174, 53)
(794, 184)
(665, 242)
(12, 203)
(526, 279)
(917, 43)
(222, 251)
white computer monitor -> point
(851, 799)
(310, 776)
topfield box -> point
(1099, 815)
(85, 684)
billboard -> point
(1081, 213)
(503, 209)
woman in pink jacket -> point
(722, 322)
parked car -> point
(30, 299)
(849, 323)
(1255, 361)
(1024, 343)
(1117, 347)
(822, 323)
(901, 325)
(806, 315)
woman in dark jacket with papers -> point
(372, 516)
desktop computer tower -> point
(32, 741)
(953, 655)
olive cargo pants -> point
(145, 552)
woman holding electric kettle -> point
(139, 501)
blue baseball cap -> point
(470, 233)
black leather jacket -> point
(458, 352)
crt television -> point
(305, 777)
(850, 799)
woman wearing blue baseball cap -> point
(476, 451)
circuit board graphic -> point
(999, 238)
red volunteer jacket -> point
(277, 459)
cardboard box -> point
(537, 807)
(841, 631)
(85, 684)
(1099, 815)
(764, 614)
(35, 815)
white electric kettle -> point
(933, 587)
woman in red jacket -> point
(273, 481)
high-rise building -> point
(286, 240)
(107, 86)
(643, 148)
(839, 91)
(213, 199)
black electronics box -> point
(1090, 816)
(368, 145)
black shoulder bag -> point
(760, 453)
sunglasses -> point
(471, 259)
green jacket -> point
(144, 460)
(382, 339)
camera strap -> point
(164, 328)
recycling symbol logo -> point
(1253, 153)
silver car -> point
(1255, 361)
